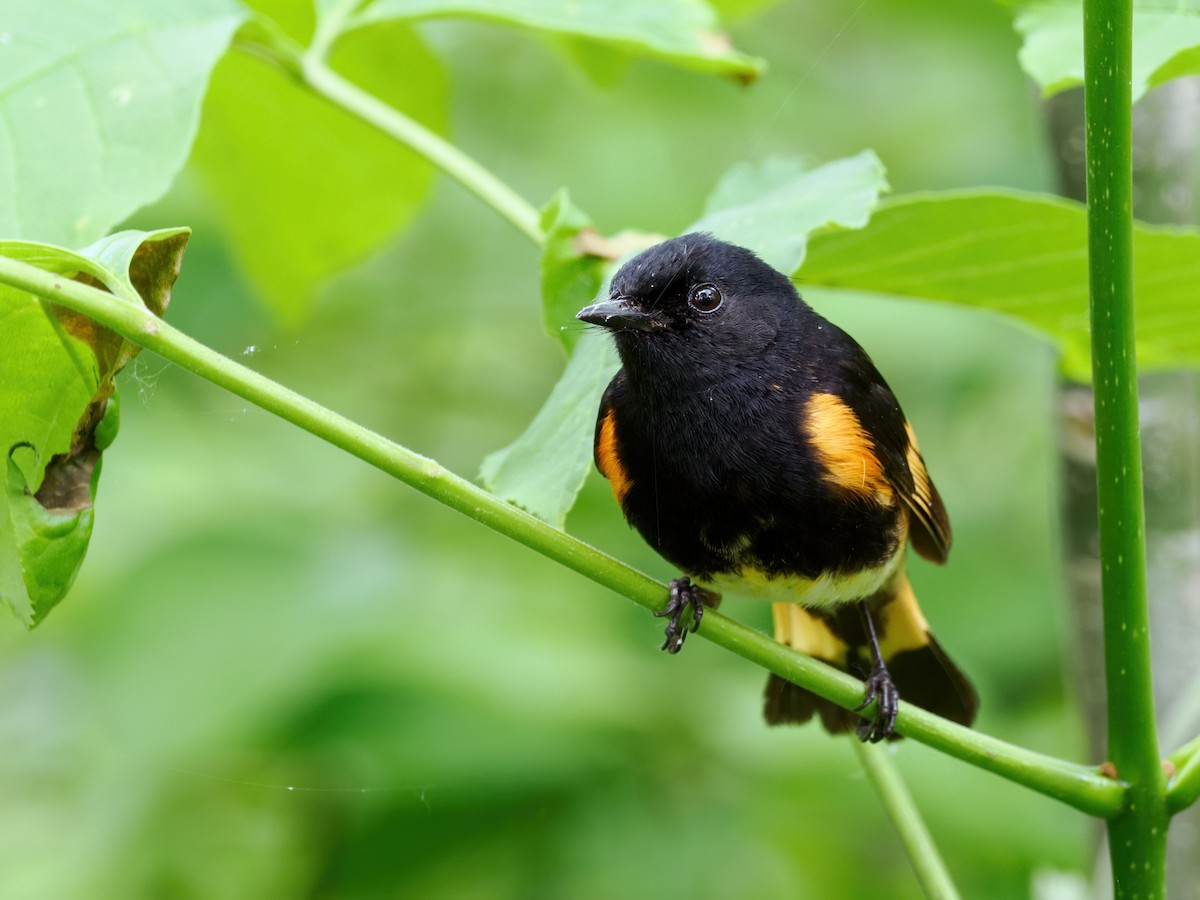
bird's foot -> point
(683, 595)
(879, 687)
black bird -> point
(756, 447)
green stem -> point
(1184, 787)
(469, 173)
(1137, 836)
(1184, 754)
(262, 37)
(922, 852)
(1079, 786)
(331, 21)
(311, 67)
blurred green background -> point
(281, 674)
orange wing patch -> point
(932, 536)
(608, 461)
(844, 448)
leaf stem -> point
(331, 20)
(1184, 754)
(1184, 787)
(1137, 836)
(312, 68)
(447, 157)
(927, 863)
(1076, 785)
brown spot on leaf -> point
(67, 484)
(152, 271)
(154, 268)
(716, 44)
(1108, 770)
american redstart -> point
(756, 447)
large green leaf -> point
(1166, 42)
(57, 409)
(264, 139)
(773, 207)
(98, 107)
(543, 470)
(770, 209)
(683, 32)
(1023, 255)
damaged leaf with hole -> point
(58, 406)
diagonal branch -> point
(1076, 785)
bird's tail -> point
(922, 672)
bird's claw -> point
(879, 687)
(683, 594)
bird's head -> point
(694, 302)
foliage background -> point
(282, 674)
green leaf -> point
(50, 541)
(263, 137)
(738, 9)
(58, 409)
(541, 471)
(772, 208)
(605, 65)
(99, 104)
(570, 279)
(1023, 255)
(1166, 42)
(682, 32)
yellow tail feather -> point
(923, 673)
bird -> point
(756, 447)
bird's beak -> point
(618, 313)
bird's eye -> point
(705, 298)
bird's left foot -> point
(880, 687)
(683, 595)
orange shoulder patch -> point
(844, 448)
(608, 461)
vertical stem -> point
(922, 852)
(1137, 835)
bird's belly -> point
(824, 590)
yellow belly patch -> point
(824, 590)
